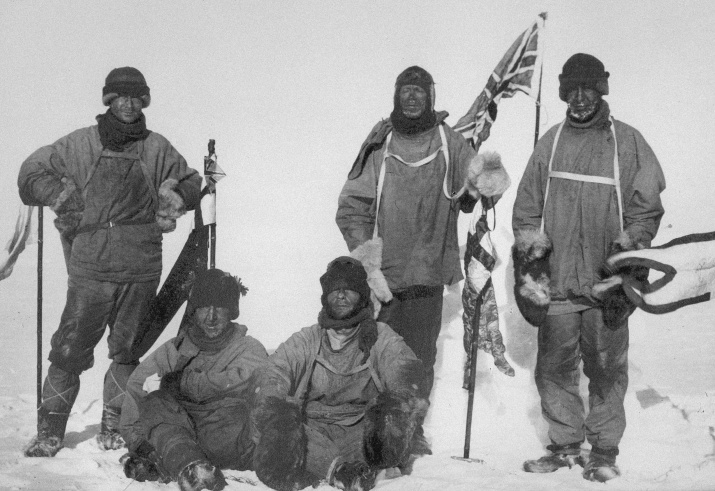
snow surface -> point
(669, 443)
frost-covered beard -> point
(583, 113)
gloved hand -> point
(171, 383)
(70, 198)
(143, 465)
(171, 205)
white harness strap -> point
(615, 181)
(381, 179)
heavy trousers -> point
(183, 432)
(92, 306)
(565, 340)
(419, 322)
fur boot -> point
(279, 457)
(390, 423)
(370, 255)
(532, 274)
(201, 475)
(171, 206)
(352, 476)
(487, 176)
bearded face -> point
(583, 104)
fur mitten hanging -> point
(487, 176)
(69, 207)
(532, 274)
(369, 253)
(279, 458)
(171, 206)
(390, 423)
(615, 304)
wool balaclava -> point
(418, 76)
(218, 289)
(345, 272)
(585, 70)
(125, 81)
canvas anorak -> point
(117, 187)
(417, 222)
(208, 380)
(581, 218)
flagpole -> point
(538, 111)
(212, 227)
(40, 240)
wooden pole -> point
(40, 240)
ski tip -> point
(467, 459)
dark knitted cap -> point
(218, 289)
(345, 272)
(125, 81)
(415, 75)
(585, 70)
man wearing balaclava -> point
(197, 422)
(591, 188)
(337, 401)
(115, 188)
(398, 212)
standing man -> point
(591, 188)
(398, 211)
(197, 422)
(115, 187)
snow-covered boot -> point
(201, 475)
(109, 437)
(560, 456)
(50, 432)
(43, 446)
(601, 467)
(352, 476)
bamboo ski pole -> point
(212, 227)
(40, 240)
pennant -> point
(481, 314)
(22, 236)
(519, 70)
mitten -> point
(171, 384)
(532, 274)
(171, 206)
(369, 253)
(486, 176)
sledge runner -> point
(591, 189)
(115, 187)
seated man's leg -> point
(170, 431)
(132, 304)
(224, 434)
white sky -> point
(289, 90)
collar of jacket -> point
(376, 138)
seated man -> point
(197, 422)
(337, 399)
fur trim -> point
(70, 198)
(199, 475)
(487, 176)
(171, 206)
(390, 423)
(369, 253)
(532, 274)
(279, 457)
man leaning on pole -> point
(115, 187)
